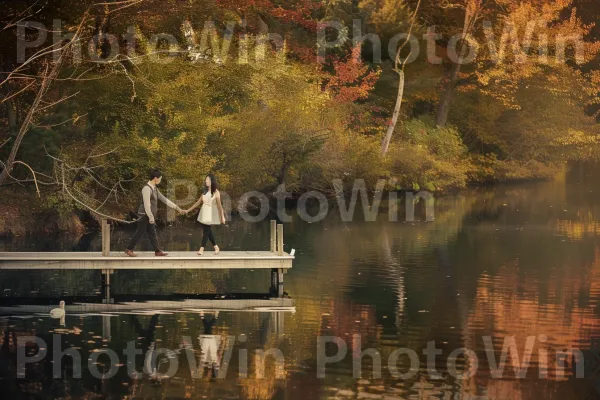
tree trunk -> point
(471, 14)
(390, 130)
(441, 118)
(399, 68)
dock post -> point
(280, 282)
(274, 283)
(273, 236)
(105, 237)
(277, 273)
(277, 282)
(280, 239)
(106, 295)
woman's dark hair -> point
(213, 184)
(155, 173)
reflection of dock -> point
(158, 307)
(271, 310)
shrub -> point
(428, 157)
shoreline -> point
(14, 223)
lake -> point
(513, 267)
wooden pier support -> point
(273, 236)
(105, 237)
(280, 239)
(277, 282)
(106, 293)
(277, 246)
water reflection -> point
(200, 346)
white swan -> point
(58, 312)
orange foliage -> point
(542, 24)
(352, 79)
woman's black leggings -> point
(207, 235)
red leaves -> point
(352, 79)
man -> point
(147, 213)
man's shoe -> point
(160, 254)
(130, 253)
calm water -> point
(507, 262)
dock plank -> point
(117, 260)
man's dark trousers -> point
(144, 226)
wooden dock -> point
(106, 261)
(118, 261)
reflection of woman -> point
(210, 357)
(211, 347)
(211, 212)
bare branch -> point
(17, 93)
(103, 154)
(75, 119)
(412, 25)
(6, 141)
(48, 75)
(91, 175)
(57, 102)
(131, 3)
(127, 3)
(37, 188)
(20, 17)
(39, 54)
(134, 95)
(21, 181)
(78, 78)
(66, 190)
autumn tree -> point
(523, 39)
(399, 66)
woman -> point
(211, 212)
